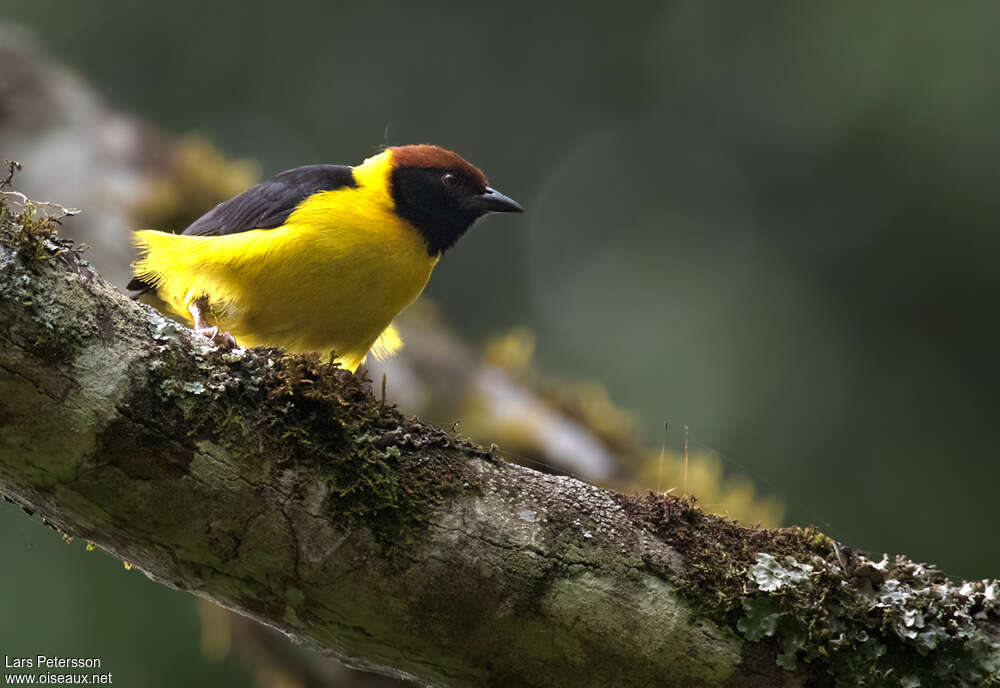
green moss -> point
(31, 225)
(30, 228)
(383, 471)
(883, 624)
(718, 552)
(35, 231)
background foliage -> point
(776, 225)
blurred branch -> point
(278, 487)
(128, 174)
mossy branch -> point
(279, 487)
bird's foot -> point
(223, 340)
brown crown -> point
(426, 155)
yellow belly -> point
(332, 300)
(331, 279)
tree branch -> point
(278, 487)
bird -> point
(319, 258)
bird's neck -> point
(375, 176)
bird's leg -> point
(361, 372)
(197, 310)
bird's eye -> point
(449, 180)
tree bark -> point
(281, 488)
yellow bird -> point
(321, 257)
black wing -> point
(266, 205)
(269, 204)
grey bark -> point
(123, 428)
(280, 488)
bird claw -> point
(223, 340)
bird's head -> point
(441, 194)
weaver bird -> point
(321, 257)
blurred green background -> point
(776, 225)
